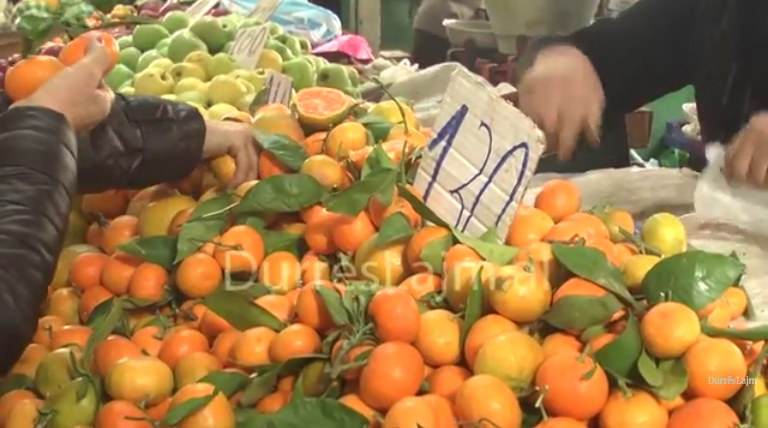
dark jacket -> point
(43, 165)
(659, 46)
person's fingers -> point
(544, 115)
(94, 64)
(242, 165)
(253, 153)
(570, 121)
(593, 123)
(758, 167)
(739, 158)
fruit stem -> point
(539, 404)
(584, 352)
(397, 103)
(625, 391)
(224, 210)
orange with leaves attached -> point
(558, 198)
(572, 385)
(529, 225)
(394, 371)
(395, 315)
(218, 413)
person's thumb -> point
(96, 61)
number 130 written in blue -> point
(443, 141)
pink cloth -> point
(350, 44)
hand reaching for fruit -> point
(232, 149)
(77, 92)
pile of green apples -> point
(190, 62)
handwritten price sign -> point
(264, 10)
(480, 159)
(248, 45)
(279, 89)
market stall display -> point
(327, 293)
(317, 295)
(195, 63)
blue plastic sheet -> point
(301, 18)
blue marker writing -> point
(446, 136)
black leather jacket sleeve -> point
(43, 164)
(144, 141)
(38, 164)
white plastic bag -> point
(718, 201)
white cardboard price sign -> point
(248, 45)
(200, 8)
(264, 9)
(481, 156)
(279, 88)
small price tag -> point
(264, 10)
(248, 45)
(480, 158)
(200, 8)
(279, 88)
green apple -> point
(290, 42)
(275, 29)
(127, 90)
(316, 61)
(244, 104)
(183, 43)
(192, 97)
(147, 36)
(163, 51)
(354, 76)
(280, 48)
(270, 60)
(333, 76)
(147, 58)
(129, 57)
(230, 24)
(228, 47)
(218, 111)
(248, 87)
(125, 42)
(226, 90)
(169, 97)
(257, 78)
(301, 72)
(118, 76)
(221, 63)
(163, 43)
(211, 32)
(163, 64)
(199, 58)
(188, 84)
(153, 81)
(176, 20)
(180, 71)
(306, 45)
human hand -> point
(232, 150)
(562, 94)
(77, 92)
(746, 158)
